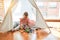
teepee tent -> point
(33, 11)
(7, 22)
(26, 6)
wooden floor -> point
(9, 35)
(20, 35)
(6, 36)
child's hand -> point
(21, 27)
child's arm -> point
(21, 23)
(31, 23)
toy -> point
(26, 29)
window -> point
(49, 10)
(40, 4)
(52, 4)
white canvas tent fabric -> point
(7, 22)
(21, 7)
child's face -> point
(24, 16)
